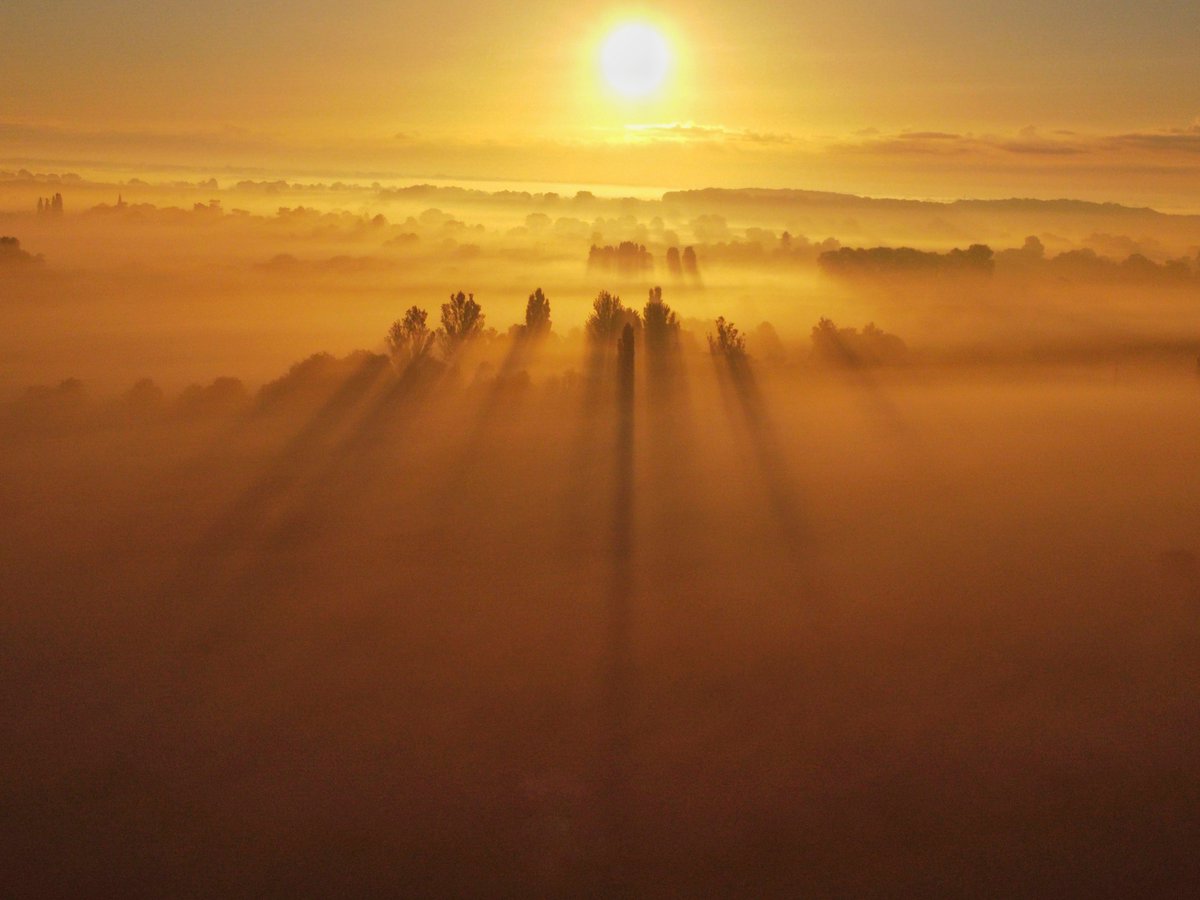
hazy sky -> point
(932, 95)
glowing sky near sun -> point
(844, 89)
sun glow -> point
(635, 60)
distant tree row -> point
(411, 342)
(1086, 264)
(1083, 264)
(612, 327)
(627, 258)
(859, 261)
(685, 264)
(763, 248)
(630, 259)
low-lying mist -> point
(835, 567)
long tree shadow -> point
(619, 663)
(247, 520)
(252, 552)
(670, 435)
(868, 391)
(493, 402)
(740, 389)
(588, 453)
(351, 467)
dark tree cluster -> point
(609, 318)
(1087, 265)
(727, 341)
(627, 258)
(50, 206)
(11, 253)
(852, 262)
(410, 341)
(67, 407)
(537, 315)
(319, 375)
(679, 265)
(872, 346)
(462, 321)
(763, 248)
(660, 324)
(222, 396)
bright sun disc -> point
(635, 60)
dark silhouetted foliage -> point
(728, 342)
(462, 320)
(691, 265)
(318, 375)
(674, 266)
(537, 315)
(850, 262)
(849, 347)
(50, 206)
(409, 339)
(143, 399)
(627, 258)
(224, 395)
(11, 253)
(660, 324)
(608, 316)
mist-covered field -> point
(851, 552)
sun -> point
(635, 60)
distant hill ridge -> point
(748, 197)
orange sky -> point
(918, 98)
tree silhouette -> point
(828, 343)
(690, 264)
(625, 347)
(728, 342)
(409, 339)
(609, 314)
(660, 324)
(674, 266)
(851, 347)
(537, 315)
(628, 258)
(11, 253)
(462, 320)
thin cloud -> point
(1028, 141)
(1041, 148)
(690, 131)
(1175, 140)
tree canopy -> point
(462, 320)
(409, 339)
(537, 315)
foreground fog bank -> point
(775, 545)
(658, 622)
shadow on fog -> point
(495, 399)
(743, 397)
(867, 389)
(246, 522)
(249, 550)
(618, 684)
